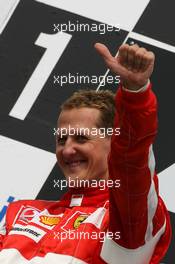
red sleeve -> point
(137, 118)
(135, 209)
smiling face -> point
(81, 156)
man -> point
(125, 222)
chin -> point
(77, 177)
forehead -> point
(82, 117)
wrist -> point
(134, 86)
(142, 89)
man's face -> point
(81, 156)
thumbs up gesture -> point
(133, 63)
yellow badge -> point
(79, 220)
(49, 220)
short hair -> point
(103, 100)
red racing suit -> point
(125, 225)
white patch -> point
(96, 218)
(152, 199)
(3, 230)
(29, 231)
(76, 200)
(115, 254)
(166, 187)
(26, 214)
(9, 256)
(111, 11)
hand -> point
(133, 64)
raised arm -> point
(136, 209)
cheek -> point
(102, 152)
(104, 145)
(99, 154)
(86, 149)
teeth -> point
(74, 163)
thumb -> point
(111, 62)
(103, 51)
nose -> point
(69, 148)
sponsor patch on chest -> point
(29, 231)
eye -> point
(61, 140)
(81, 138)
